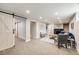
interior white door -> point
(7, 25)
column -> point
(28, 30)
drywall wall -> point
(37, 30)
(29, 29)
(7, 39)
(42, 28)
(28, 36)
(75, 30)
(72, 21)
(21, 28)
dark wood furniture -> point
(62, 39)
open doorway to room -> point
(33, 30)
(66, 27)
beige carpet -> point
(37, 47)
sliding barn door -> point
(7, 27)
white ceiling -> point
(45, 10)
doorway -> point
(33, 30)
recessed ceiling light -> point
(40, 17)
(27, 11)
(56, 13)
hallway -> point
(37, 47)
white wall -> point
(75, 31)
(73, 21)
(28, 30)
(6, 31)
(21, 28)
(42, 28)
(39, 27)
(37, 30)
(28, 37)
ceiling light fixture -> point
(40, 17)
(27, 11)
(56, 13)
